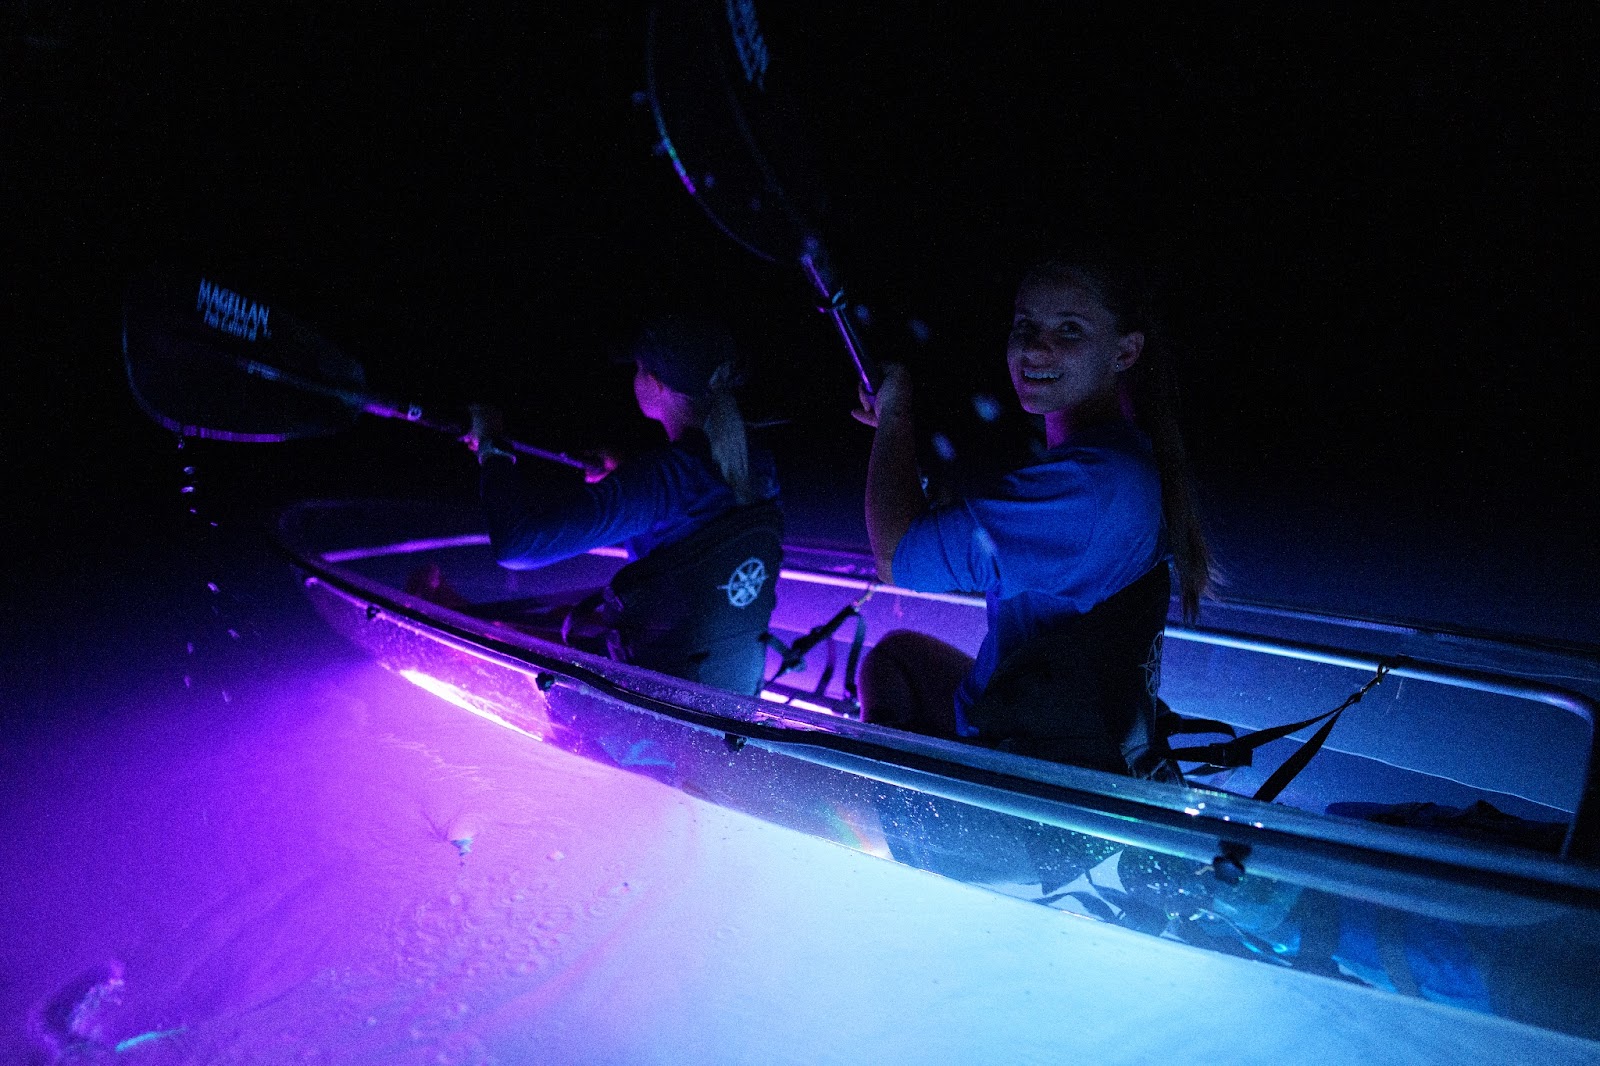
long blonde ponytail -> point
(724, 427)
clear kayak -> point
(1487, 898)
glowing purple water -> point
(333, 865)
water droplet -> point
(234, 633)
(863, 316)
(189, 645)
(942, 445)
(188, 682)
(186, 489)
(919, 330)
(188, 471)
(225, 697)
(212, 585)
(986, 406)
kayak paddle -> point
(205, 360)
(710, 87)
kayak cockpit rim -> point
(1582, 839)
(1183, 821)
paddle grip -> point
(540, 453)
(413, 413)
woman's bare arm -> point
(894, 488)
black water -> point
(1379, 233)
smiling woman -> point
(1071, 552)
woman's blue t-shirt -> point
(1053, 539)
(539, 514)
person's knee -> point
(885, 685)
(897, 645)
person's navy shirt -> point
(539, 515)
(1053, 539)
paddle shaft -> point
(835, 306)
(373, 405)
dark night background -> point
(1379, 228)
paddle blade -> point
(194, 347)
(717, 99)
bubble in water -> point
(919, 330)
(225, 697)
(188, 471)
(863, 315)
(942, 445)
(212, 585)
(188, 682)
(190, 646)
(234, 633)
(187, 488)
(986, 406)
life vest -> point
(698, 608)
(1083, 691)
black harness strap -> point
(850, 665)
(1240, 751)
(793, 656)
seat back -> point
(1084, 690)
(697, 608)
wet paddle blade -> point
(725, 125)
(196, 350)
(728, 118)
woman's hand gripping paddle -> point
(204, 360)
(712, 92)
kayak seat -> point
(699, 607)
(1084, 690)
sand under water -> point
(230, 838)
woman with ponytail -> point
(1072, 551)
(683, 511)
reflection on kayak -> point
(1447, 901)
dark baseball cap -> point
(682, 351)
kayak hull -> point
(1488, 929)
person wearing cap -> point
(698, 517)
